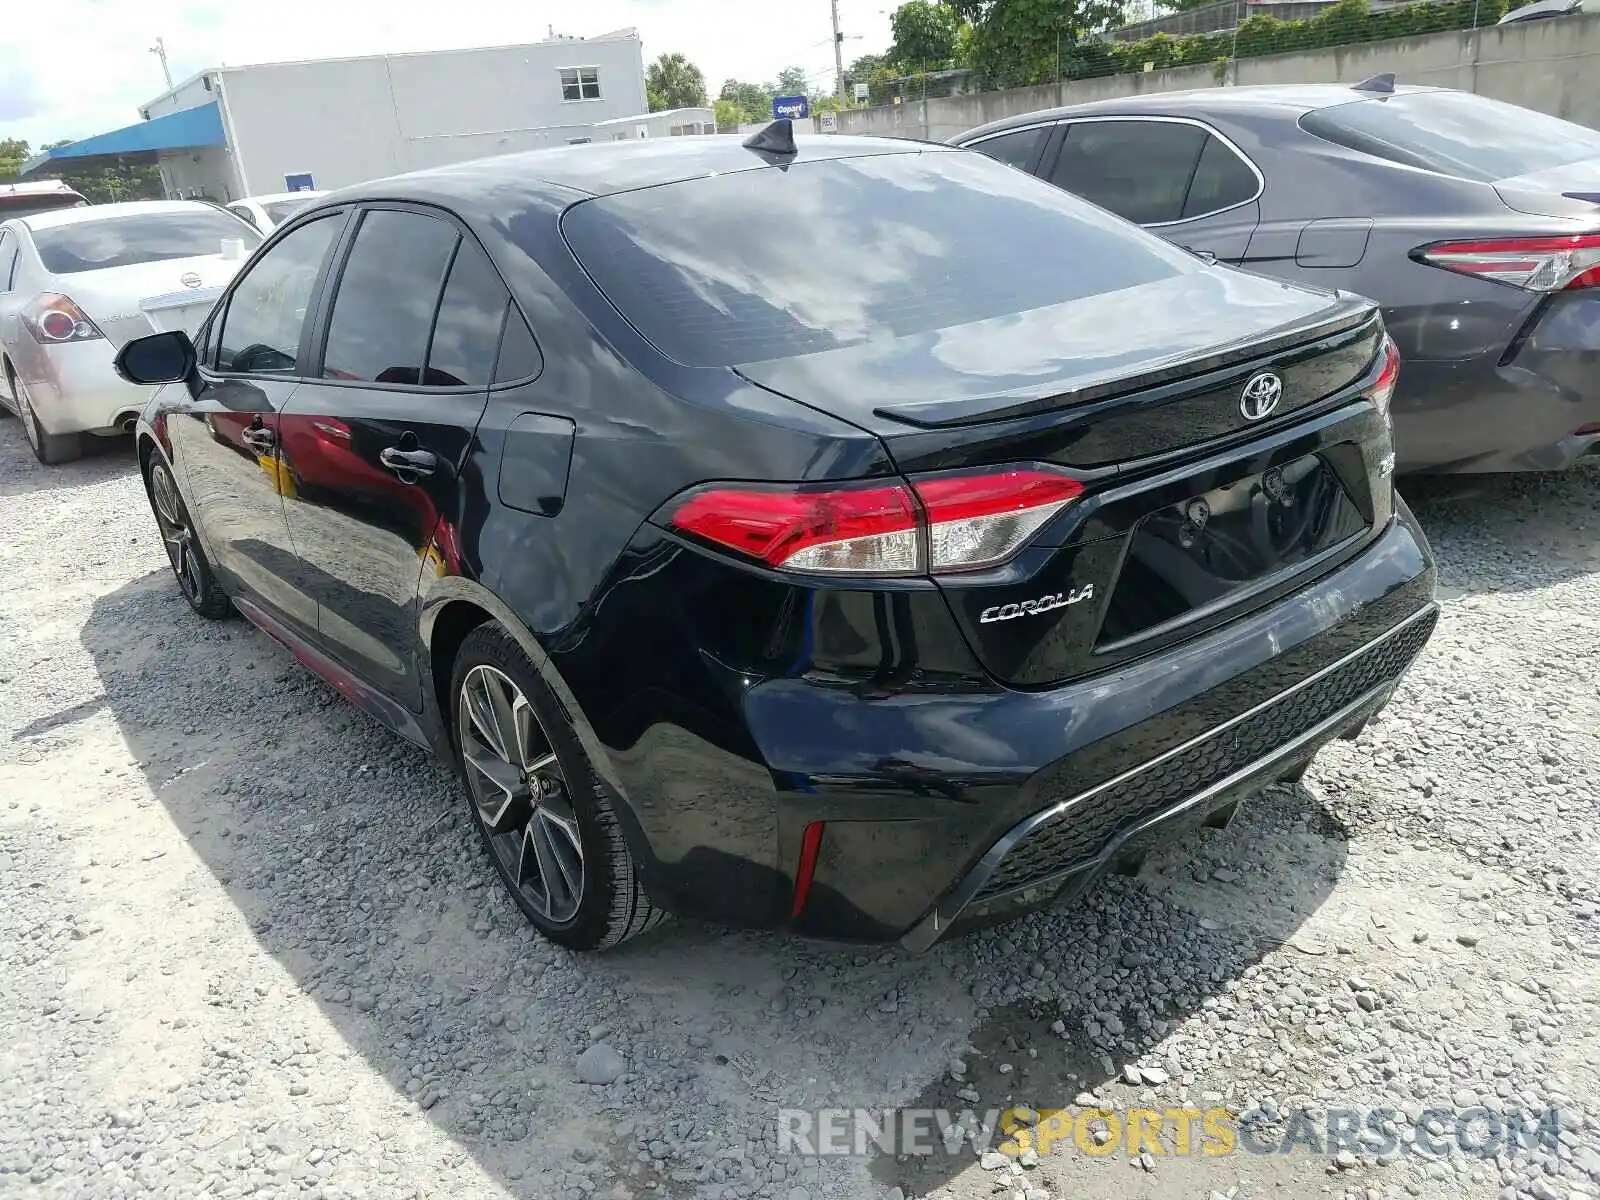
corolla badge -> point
(1260, 396)
(189, 279)
(1033, 608)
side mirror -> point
(158, 358)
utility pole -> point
(838, 54)
(160, 51)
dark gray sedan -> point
(1475, 224)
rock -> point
(1132, 1076)
(1029, 1158)
(1146, 1161)
(1468, 937)
(1153, 1075)
(993, 1160)
(1344, 1160)
(600, 1065)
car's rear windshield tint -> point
(280, 211)
(1455, 133)
(771, 263)
(32, 206)
(139, 238)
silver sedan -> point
(77, 283)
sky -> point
(73, 68)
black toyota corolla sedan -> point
(858, 536)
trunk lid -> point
(1192, 514)
(1120, 375)
(1571, 190)
(129, 302)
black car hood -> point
(1057, 355)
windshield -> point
(142, 238)
(280, 211)
(31, 206)
(1455, 133)
(765, 264)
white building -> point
(230, 132)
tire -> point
(52, 449)
(544, 807)
(188, 559)
(8, 402)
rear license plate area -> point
(1202, 553)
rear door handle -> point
(409, 462)
(259, 438)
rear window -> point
(280, 211)
(767, 264)
(1455, 133)
(142, 238)
(32, 205)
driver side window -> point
(268, 308)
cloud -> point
(90, 67)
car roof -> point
(101, 212)
(605, 168)
(1291, 101)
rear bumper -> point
(1517, 410)
(1064, 848)
(75, 389)
(927, 800)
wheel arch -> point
(451, 609)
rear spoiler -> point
(1353, 314)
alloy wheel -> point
(519, 794)
(175, 531)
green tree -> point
(1017, 42)
(791, 82)
(924, 36)
(13, 153)
(107, 185)
(729, 114)
(753, 99)
(672, 81)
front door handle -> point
(259, 438)
(409, 462)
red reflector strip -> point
(1586, 430)
(809, 846)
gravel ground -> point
(250, 945)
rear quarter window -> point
(769, 263)
(1455, 133)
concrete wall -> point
(1545, 65)
(350, 120)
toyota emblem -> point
(1260, 396)
(189, 279)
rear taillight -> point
(1388, 375)
(936, 523)
(1536, 264)
(53, 318)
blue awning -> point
(185, 129)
